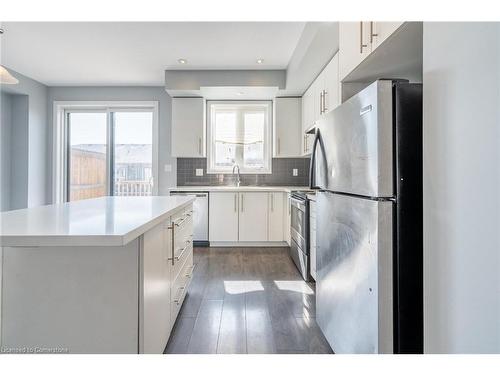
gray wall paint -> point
(461, 187)
(166, 179)
(20, 180)
(35, 144)
(5, 150)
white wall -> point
(461, 77)
(165, 179)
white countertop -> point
(285, 189)
(107, 221)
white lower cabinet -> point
(167, 259)
(223, 216)
(156, 288)
(253, 217)
(276, 224)
(247, 217)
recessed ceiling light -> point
(260, 61)
(182, 61)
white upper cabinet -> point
(331, 85)
(354, 45)
(253, 217)
(317, 89)
(276, 216)
(287, 127)
(358, 39)
(382, 30)
(321, 97)
(188, 127)
(307, 119)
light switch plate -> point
(199, 171)
(168, 167)
(295, 172)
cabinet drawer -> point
(180, 259)
(180, 286)
(183, 235)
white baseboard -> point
(248, 244)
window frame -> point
(211, 168)
(60, 139)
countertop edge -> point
(91, 240)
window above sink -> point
(239, 133)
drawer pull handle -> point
(177, 300)
(177, 257)
(190, 273)
(180, 222)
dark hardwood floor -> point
(247, 300)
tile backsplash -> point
(282, 174)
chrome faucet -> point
(238, 180)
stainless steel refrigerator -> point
(367, 167)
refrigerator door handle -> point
(312, 165)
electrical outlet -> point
(199, 171)
(295, 172)
(167, 168)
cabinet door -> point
(380, 31)
(287, 127)
(306, 102)
(223, 216)
(253, 217)
(331, 85)
(156, 248)
(188, 127)
(276, 217)
(317, 89)
(354, 45)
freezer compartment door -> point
(354, 145)
(354, 296)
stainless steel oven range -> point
(299, 246)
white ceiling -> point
(124, 53)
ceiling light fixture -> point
(5, 77)
(260, 61)
(182, 61)
(239, 93)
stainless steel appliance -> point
(299, 233)
(200, 216)
(367, 165)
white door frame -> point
(59, 137)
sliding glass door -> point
(88, 156)
(109, 152)
(132, 153)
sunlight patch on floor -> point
(294, 286)
(242, 286)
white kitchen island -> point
(105, 275)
